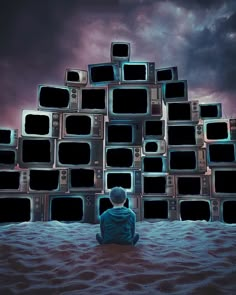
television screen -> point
(93, 99)
(119, 134)
(216, 130)
(189, 185)
(181, 135)
(120, 51)
(154, 128)
(5, 136)
(154, 147)
(175, 91)
(74, 153)
(44, 180)
(210, 110)
(166, 74)
(195, 210)
(224, 180)
(156, 209)
(8, 157)
(154, 184)
(15, 209)
(119, 157)
(103, 73)
(36, 124)
(82, 178)
(182, 160)
(142, 72)
(8, 137)
(53, 97)
(229, 209)
(78, 125)
(179, 111)
(123, 179)
(66, 208)
(154, 164)
(221, 152)
(9, 180)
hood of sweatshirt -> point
(119, 214)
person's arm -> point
(102, 225)
(133, 221)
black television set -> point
(192, 185)
(8, 157)
(228, 209)
(76, 77)
(160, 184)
(210, 111)
(120, 51)
(40, 124)
(152, 147)
(13, 181)
(103, 74)
(153, 128)
(219, 130)
(166, 74)
(175, 91)
(8, 137)
(221, 154)
(182, 112)
(223, 181)
(138, 72)
(194, 209)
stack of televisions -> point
(104, 128)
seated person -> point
(118, 223)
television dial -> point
(73, 90)
(73, 95)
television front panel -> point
(93, 100)
(152, 147)
(13, 181)
(194, 209)
(175, 91)
(8, 158)
(40, 124)
(138, 72)
(136, 102)
(219, 130)
(76, 77)
(103, 74)
(8, 137)
(166, 74)
(182, 112)
(120, 51)
(210, 111)
(57, 98)
(123, 132)
(158, 208)
(82, 126)
(153, 128)
(221, 154)
(158, 184)
(192, 185)
(223, 181)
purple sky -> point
(39, 41)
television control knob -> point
(137, 155)
(73, 95)
(73, 90)
(63, 177)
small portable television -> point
(103, 74)
(93, 100)
(138, 72)
(156, 164)
(57, 98)
(71, 208)
(120, 157)
(76, 77)
(120, 51)
(35, 152)
(175, 91)
(223, 181)
(210, 111)
(192, 185)
(157, 208)
(153, 128)
(8, 157)
(219, 130)
(160, 184)
(194, 209)
(86, 179)
(129, 179)
(8, 137)
(73, 153)
(185, 135)
(134, 102)
(123, 132)
(187, 160)
(40, 124)
(183, 112)
(221, 154)
(166, 74)
(13, 181)
(82, 125)
(46, 180)
(154, 147)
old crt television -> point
(123, 157)
(183, 112)
(154, 147)
(133, 102)
(75, 125)
(166, 74)
(93, 100)
(103, 74)
(221, 154)
(8, 157)
(156, 164)
(192, 185)
(223, 181)
(194, 209)
(186, 160)
(153, 128)
(158, 208)
(210, 110)
(158, 184)
(129, 179)
(40, 124)
(47, 180)
(185, 135)
(138, 72)
(174, 91)
(57, 98)
(34, 152)
(8, 137)
(14, 181)
(75, 152)
(120, 51)
(86, 179)
(219, 130)
(123, 132)
(228, 209)
(76, 77)
(71, 208)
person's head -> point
(118, 196)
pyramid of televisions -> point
(104, 128)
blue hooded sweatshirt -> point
(118, 226)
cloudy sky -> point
(40, 39)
